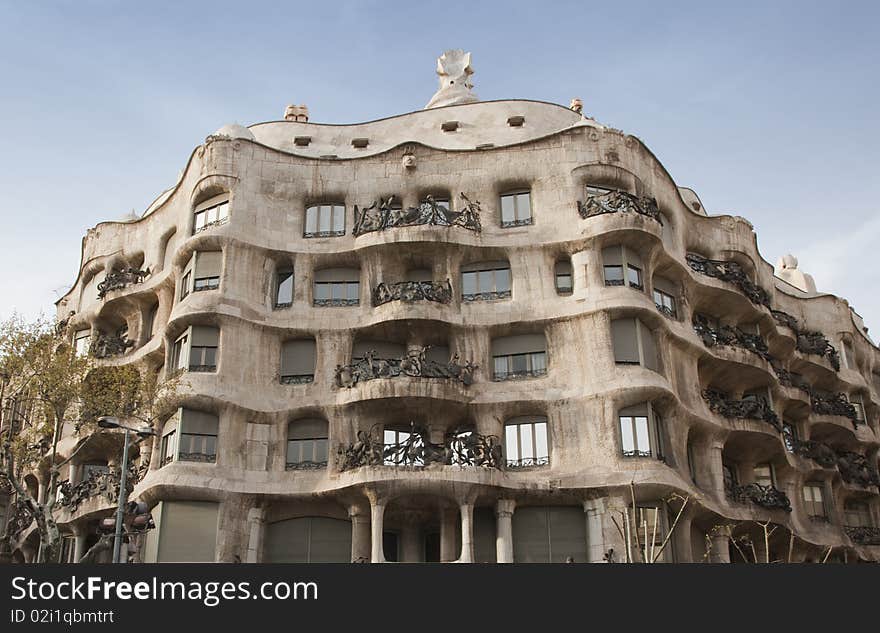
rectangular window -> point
(198, 447)
(564, 280)
(283, 288)
(177, 356)
(856, 514)
(206, 283)
(594, 191)
(665, 303)
(81, 342)
(814, 501)
(203, 358)
(764, 475)
(168, 448)
(306, 452)
(613, 275)
(325, 220)
(516, 209)
(337, 293)
(520, 365)
(480, 285)
(856, 402)
(526, 443)
(185, 285)
(789, 436)
(635, 436)
(212, 216)
(634, 274)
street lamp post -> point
(108, 422)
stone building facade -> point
(460, 334)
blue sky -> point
(767, 109)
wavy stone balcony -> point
(806, 341)
(750, 409)
(836, 404)
(732, 273)
(855, 468)
(820, 453)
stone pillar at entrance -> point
(467, 533)
(410, 544)
(256, 519)
(504, 530)
(377, 518)
(447, 535)
(360, 534)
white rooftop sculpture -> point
(787, 270)
(454, 70)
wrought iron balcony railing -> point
(297, 379)
(666, 311)
(836, 404)
(730, 336)
(205, 458)
(857, 469)
(863, 535)
(460, 447)
(500, 376)
(119, 279)
(336, 233)
(109, 345)
(380, 216)
(730, 272)
(306, 465)
(486, 296)
(808, 342)
(618, 202)
(766, 496)
(509, 224)
(750, 408)
(335, 303)
(415, 364)
(202, 369)
(412, 291)
(820, 453)
(526, 463)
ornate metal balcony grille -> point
(119, 279)
(336, 302)
(730, 336)
(336, 233)
(412, 291)
(415, 364)
(762, 495)
(808, 342)
(210, 225)
(109, 345)
(618, 202)
(507, 224)
(499, 376)
(730, 272)
(202, 369)
(637, 453)
(461, 447)
(486, 296)
(751, 408)
(836, 404)
(820, 453)
(298, 379)
(526, 463)
(863, 535)
(380, 216)
(855, 468)
(305, 465)
(205, 458)
(19, 520)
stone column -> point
(360, 534)
(680, 541)
(377, 517)
(256, 519)
(720, 550)
(717, 468)
(79, 543)
(504, 530)
(41, 492)
(593, 513)
(447, 535)
(72, 471)
(410, 544)
(467, 533)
